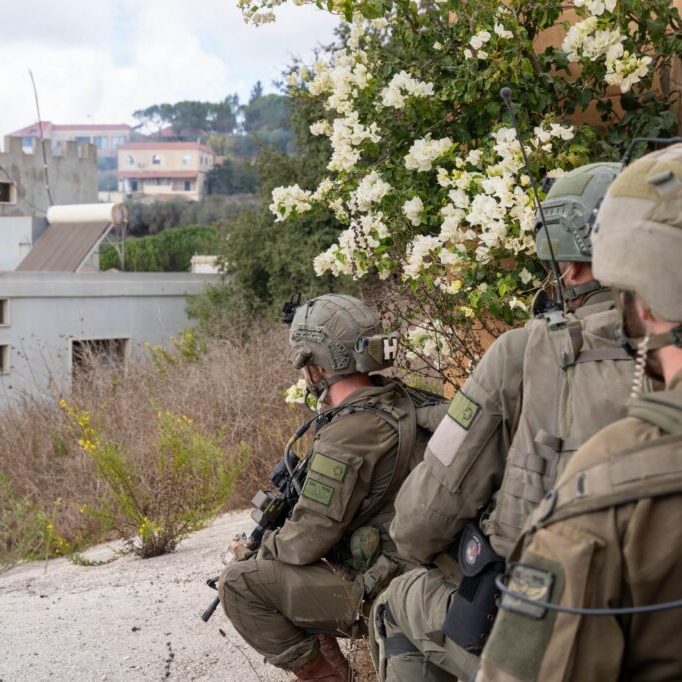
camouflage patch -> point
(328, 466)
(532, 583)
(318, 492)
(463, 410)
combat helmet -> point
(569, 210)
(638, 236)
(342, 334)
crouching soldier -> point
(597, 590)
(313, 576)
(537, 394)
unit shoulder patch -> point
(463, 410)
(318, 492)
(328, 466)
(530, 582)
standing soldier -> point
(307, 583)
(609, 536)
(534, 398)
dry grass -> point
(234, 387)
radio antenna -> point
(506, 95)
(627, 157)
(42, 139)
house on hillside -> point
(164, 170)
(106, 137)
(56, 308)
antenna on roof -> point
(42, 140)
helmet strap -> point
(320, 389)
(670, 338)
(579, 290)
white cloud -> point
(101, 61)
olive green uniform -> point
(492, 460)
(279, 600)
(610, 536)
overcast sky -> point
(99, 60)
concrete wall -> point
(46, 312)
(17, 236)
(72, 176)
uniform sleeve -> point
(572, 564)
(340, 477)
(465, 458)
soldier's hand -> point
(240, 550)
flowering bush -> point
(186, 484)
(425, 173)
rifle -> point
(271, 508)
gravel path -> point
(131, 619)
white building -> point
(48, 319)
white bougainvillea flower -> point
(288, 200)
(413, 210)
(371, 190)
(402, 86)
(424, 152)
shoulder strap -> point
(662, 409)
(407, 436)
(644, 471)
(578, 355)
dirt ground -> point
(131, 619)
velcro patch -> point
(532, 583)
(463, 410)
(328, 466)
(446, 440)
(318, 492)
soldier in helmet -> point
(286, 602)
(608, 536)
(537, 394)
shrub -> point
(168, 251)
(424, 169)
(155, 502)
(233, 393)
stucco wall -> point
(17, 235)
(72, 176)
(47, 311)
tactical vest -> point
(576, 379)
(415, 416)
(645, 470)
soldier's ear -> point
(317, 372)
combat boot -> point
(330, 649)
(320, 669)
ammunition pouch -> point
(377, 578)
(472, 611)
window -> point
(82, 139)
(27, 143)
(101, 142)
(57, 146)
(87, 354)
(186, 159)
(4, 359)
(188, 185)
(117, 141)
(130, 161)
(156, 160)
(7, 193)
(4, 312)
(133, 185)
